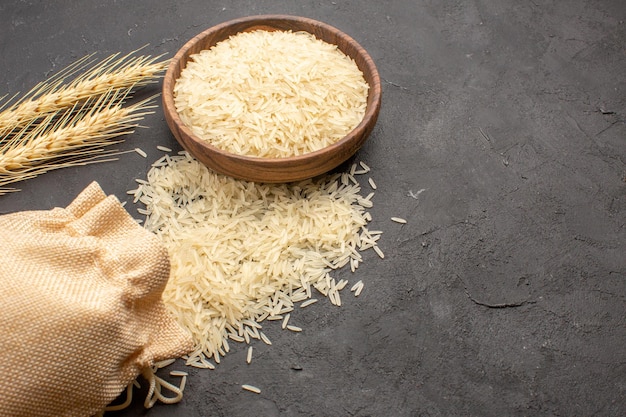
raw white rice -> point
(251, 388)
(398, 220)
(162, 161)
(242, 252)
(294, 328)
(341, 284)
(164, 148)
(286, 320)
(271, 94)
(236, 337)
(354, 264)
(335, 298)
(141, 152)
(249, 355)
(357, 288)
(198, 364)
(164, 363)
(308, 302)
(265, 339)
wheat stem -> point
(52, 96)
(76, 136)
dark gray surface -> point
(505, 292)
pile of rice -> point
(271, 94)
(243, 252)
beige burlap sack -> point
(81, 314)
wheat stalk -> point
(78, 135)
(55, 94)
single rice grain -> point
(249, 355)
(251, 388)
(308, 302)
(294, 328)
(398, 220)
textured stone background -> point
(505, 294)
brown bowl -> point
(272, 170)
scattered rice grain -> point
(294, 328)
(356, 286)
(357, 292)
(236, 337)
(265, 339)
(251, 388)
(286, 320)
(341, 284)
(249, 355)
(308, 302)
(164, 363)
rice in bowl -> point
(271, 94)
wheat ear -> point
(77, 136)
(53, 95)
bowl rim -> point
(371, 112)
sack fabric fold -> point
(80, 307)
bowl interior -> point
(272, 170)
